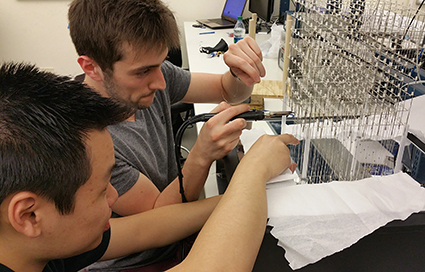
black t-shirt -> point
(75, 263)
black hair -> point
(44, 121)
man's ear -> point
(90, 68)
(22, 213)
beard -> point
(113, 92)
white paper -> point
(312, 221)
(248, 138)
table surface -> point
(201, 62)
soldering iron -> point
(252, 115)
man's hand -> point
(270, 155)
(244, 59)
(218, 136)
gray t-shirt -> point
(147, 146)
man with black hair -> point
(56, 159)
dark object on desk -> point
(263, 8)
(396, 247)
(260, 27)
(415, 140)
(217, 23)
(414, 159)
(221, 46)
(232, 9)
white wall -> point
(36, 31)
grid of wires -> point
(352, 67)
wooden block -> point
(257, 102)
(269, 89)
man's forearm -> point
(232, 236)
(157, 227)
(230, 239)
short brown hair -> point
(99, 28)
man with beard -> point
(123, 47)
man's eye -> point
(144, 72)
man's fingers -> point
(292, 167)
(227, 114)
(289, 139)
(220, 107)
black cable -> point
(178, 141)
(249, 115)
(411, 21)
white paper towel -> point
(248, 138)
(312, 221)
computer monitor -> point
(233, 9)
(263, 8)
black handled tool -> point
(252, 115)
